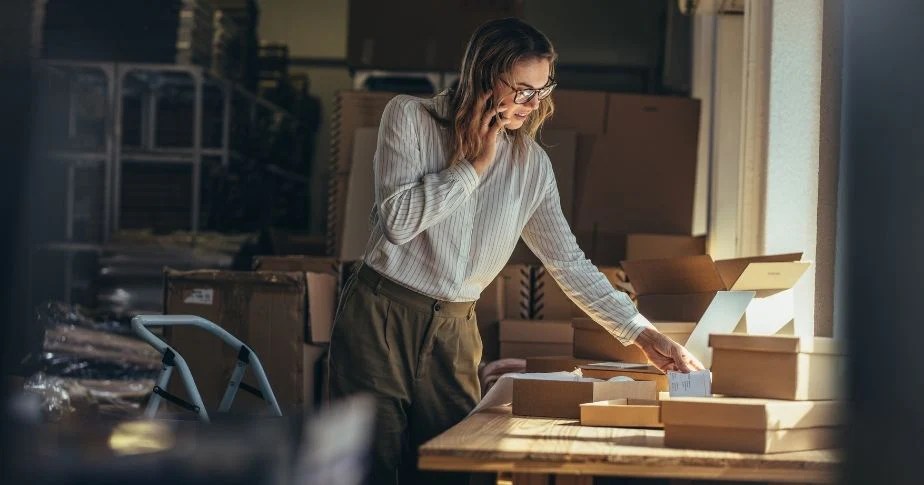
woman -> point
(458, 180)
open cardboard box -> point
(746, 295)
(591, 341)
(563, 399)
(622, 413)
(638, 372)
(520, 339)
(750, 425)
(777, 367)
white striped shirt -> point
(445, 232)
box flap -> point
(692, 274)
(536, 331)
(750, 413)
(776, 343)
(322, 302)
(731, 269)
(771, 276)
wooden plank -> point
(496, 441)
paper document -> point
(695, 384)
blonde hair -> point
(493, 50)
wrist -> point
(648, 338)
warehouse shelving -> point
(109, 151)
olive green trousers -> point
(417, 356)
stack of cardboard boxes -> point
(778, 394)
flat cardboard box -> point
(562, 363)
(761, 284)
(777, 367)
(360, 195)
(609, 370)
(591, 341)
(520, 339)
(751, 425)
(323, 275)
(660, 246)
(266, 310)
(752, 413)
(622, 413)
(562, 399)
(751, 440)
(649, 185)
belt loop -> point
(471, 310)
(378, 285)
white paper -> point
(618, 365)
(695, 384)
(200, 296)
(722, 316)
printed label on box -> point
(200, 296)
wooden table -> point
(497, 441)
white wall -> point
(791, 205)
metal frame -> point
(115, 153)
(172, 359)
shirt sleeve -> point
(408, 199)
(549, 236)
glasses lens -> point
(546, 91)
(524, 96)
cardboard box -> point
(609, 370)
(751, 440)
(751, 425)
(360, 196)
(323, 276)
(531, 293)
(777, 367)
(520, 339)
(386, 35)
(563, 399)
(661, 246)
(591, 341)
(314, 367)
(554, 364)
(622, 413)
(267, 311)
(688, 307)
(352, 110)
(648, 184)
(758, 286)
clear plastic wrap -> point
(68, 399)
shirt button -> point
(437, 307)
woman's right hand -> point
(491, 126)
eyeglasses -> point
(523, 96)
